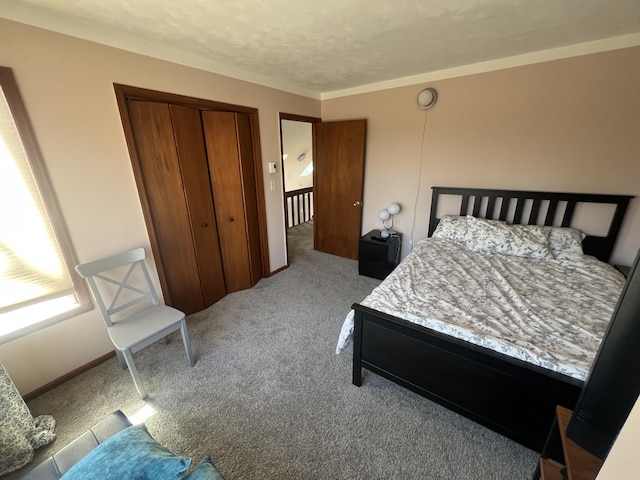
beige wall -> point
(67, 86)
(566, 125)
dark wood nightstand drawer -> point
(375, 253)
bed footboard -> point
(504, 394)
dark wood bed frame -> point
(507, 395)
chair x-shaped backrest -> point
(98, 270)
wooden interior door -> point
(171, 157)
(228, 141)
(339, 149)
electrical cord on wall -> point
(415, 203)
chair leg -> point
(121, 360)
(134, 373)
(187, 343)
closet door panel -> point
(225, 174)
(197, 189)
(250, 196)
(158, 159)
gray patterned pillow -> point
(459, 228)
(516, 240)
(454, 228)
(566, 243)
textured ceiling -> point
(319, 46)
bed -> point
(453, 347)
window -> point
(38, 283)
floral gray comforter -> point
(551, 313)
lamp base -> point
(387, 232)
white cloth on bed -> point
(550, 313)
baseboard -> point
(278, 270)
(68, 376)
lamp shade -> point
(384, 215)
(393, 209)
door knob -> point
(357, 203)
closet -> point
(197, 183)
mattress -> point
(548, 312)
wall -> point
(67, 87)
(565, 125)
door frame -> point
(127, 92)
(295, 118)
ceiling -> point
(320, 47)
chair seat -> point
(159, 319)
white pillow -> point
(516, 240)
(566, 243)
(454, 228)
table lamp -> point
(388, 213)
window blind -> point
(32, 267)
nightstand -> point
(623, 269)
(378, 256)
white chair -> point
(137, 327)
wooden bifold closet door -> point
(202, 209)
(228, 142)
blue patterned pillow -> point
(130, 453)
(205, 470)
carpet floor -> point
(268, 398)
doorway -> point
(297, 180)
(297, 175)
(322, 166)
(297, 171)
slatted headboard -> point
(536, 208)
